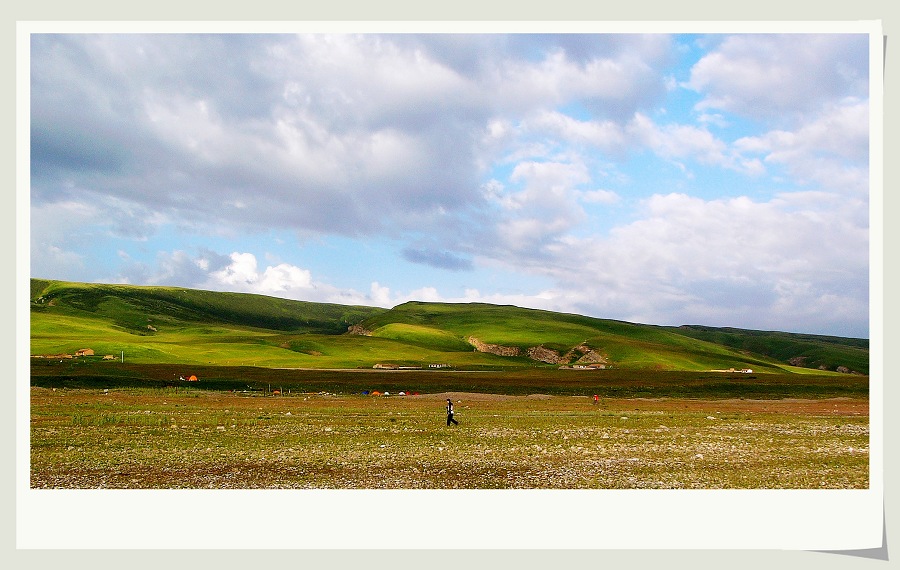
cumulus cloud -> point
(670, 141)
(727, 260)
(604, 134)
(832, 150)
(542, 204)
(243, 274)
(343, 133)
(677, 142)
(781, 76)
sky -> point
(714, 179)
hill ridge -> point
(163, 322)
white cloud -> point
(672, 141)
(614, 79)
(243, 274)
(546, 205)
(831, 150)
(380, 295)
(679, 141)
(606, 135)
(718, 261)
(781, 76)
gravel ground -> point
(164, 440)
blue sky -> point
(718, 179)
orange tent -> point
(192, 378)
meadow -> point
(153, 325)
(180, 436)
(284, 398)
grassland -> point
(187, 438)
(282, 402)
(153, 325)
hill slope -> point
(808, 351)
(568, 339)
(178, 325)
(133, 308)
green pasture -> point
(401, 344)
(176, 325)
(504, 325)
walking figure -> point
(450, 413)
(596, 399)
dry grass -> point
(159, 438)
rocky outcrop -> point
(359, 329)
(542, 354)
(497, 349)
(583, 354)
(798, 361)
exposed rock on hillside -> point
(544, 355)
(497, 349)
(359, 329)
(583, 354)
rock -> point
(544, 355)
(497, 349)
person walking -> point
(450, 417)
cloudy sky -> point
(664, 179)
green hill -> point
(566, 339)
(805, 350)
(178, 325)
(136, 309)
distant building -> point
(84, 352)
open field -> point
(93, 373)
(178, 437)
(669, 416)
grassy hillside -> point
(621, 344)
(176, 325)
(165, 324)
(135, 309)
(808, 351)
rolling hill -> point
(178, 325)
